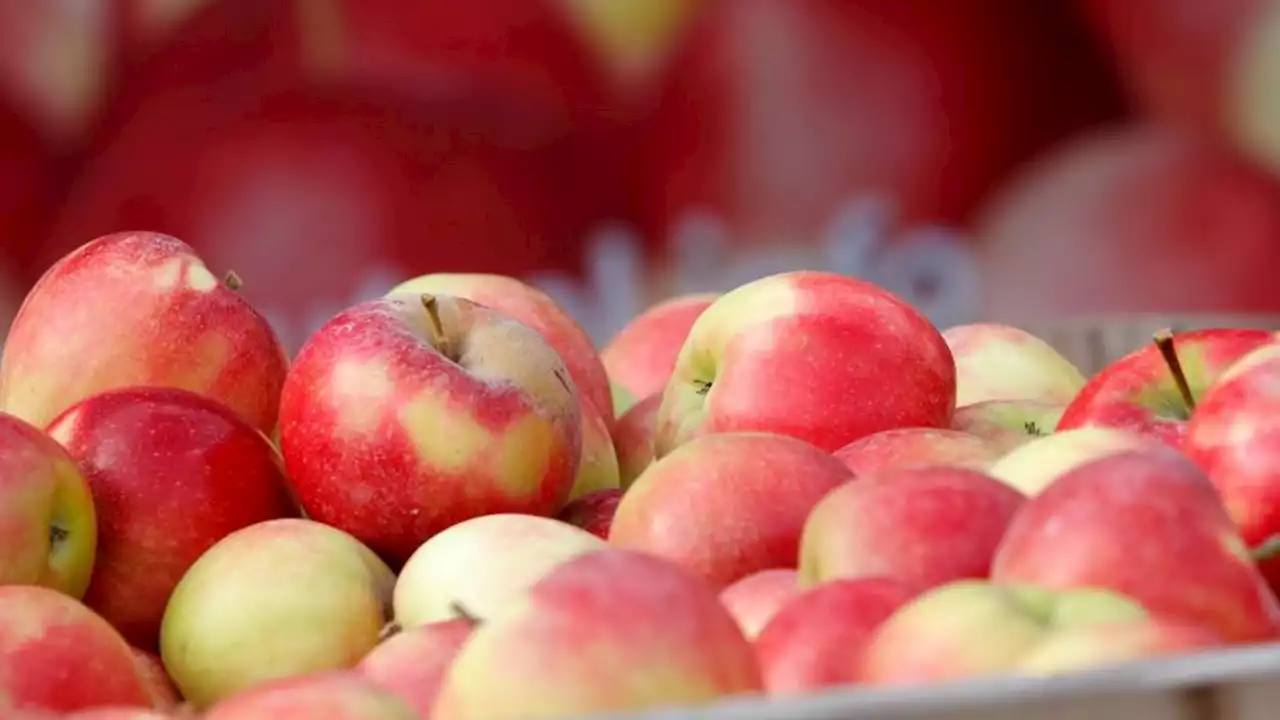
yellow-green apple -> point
(727, 505)
(57, 654)
(139, 308)
(609, 631)
(826, 381)
(925, 526)
(593, 512)
(1153, 390)
(1148, 524)
(333, 695)
(194, 473)
(481, 565)
(1000, 362)
(633, 438)
(972, 628)
(48, 520)
(816, 638)
(1035, 465)
(277, 599)
(642, 356)
(754, 599)
(913, 447)
(164, 694)
(411, 663)
(406, 415)
(1008, 424)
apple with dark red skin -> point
(913, 447)
(754, 599)
(412, 663)
(642, 355)
(593, 512)
(332, 695)
(194, 474)
(633, 436)
(406, 415)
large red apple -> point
(406, 415)
(412, 663)
(139, 308)
(192, 474)
(641, 357)
(911, 447)
(326, 696)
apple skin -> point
(41, 490)
(912, 447)
(610, 631)
(412, 663)
(633, 435)
(593, 512)
(1090, 647)
(333, 695)
(1035, 465)
(1137, 392)
(1008, 424)
(1002, 362)
(48, 640)
(598, 467)
(138, 309)
(482, 565)
(306, 596)
(1148, 524)
(194, 473)
(761, 486)
(641, 357)
(116, 713)
(388, 438)
(816, 638)
(756, 598)
(164, 694)
(814, 391)
(925, 526)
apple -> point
(641, 357)
(406, 415)
(1148, 524)
(411, 663)
(609, 631)
(1008, 424)
(593, 512)
(1037, 464)
(304, 596)
(139, 308)
(925, 526)
(164, 694)
(633, 438)
(484, 564)
(1002, 362)
(727, 505)
(193, 473)
(816, 638)
(334, 695)
(753, 600)
(48, 520)
(911, 447)
(813, 392)
(47, 642)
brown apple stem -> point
(389, 631)
(1164, 342)
(232, 280)
(463, 613)
(1268, 550)
(432, 308)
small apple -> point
(641, 357)
(609, 631)
(1001, 362)
(303, 596)
(1035, 465)
(1008, 424)
(139, 308)
(406, 415)
(754, 599)
(1148, 524)
(480, 566)
(727, 505)
(333, 695)
(48, 520)
(925, 526)
(734, 375)
(633, 438)
(593, 512)
(913, 447)
(411, 663)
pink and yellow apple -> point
(913, 447)
(593, 512)
(334, 695)
(1001, 362)
(1008, 424)
(754, 599)
(633, 438)
(1035, 465)
(642, 356)
(411, 663)
(406, 415)
(132, 309)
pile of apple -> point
(449, 505)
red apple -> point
(610, 631)
(138, 309)
(641, 357)
(56, 654)
(412, 663)
(813, 392)
(725, 506)
(911, 447)
(1001, 362)
(924, 526)
(164, 694)
(406, 415)
(1148, 524)
(331, 695)
(633, 436)
(1139, 392)
(593, 512)
(1008, 424)
(754, 600)
(816, 638)
(193, 474)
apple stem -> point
(463, 613)
(1268, 550)
(232, 280)
(1164, 342)
(432, 308)
(389, 631)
